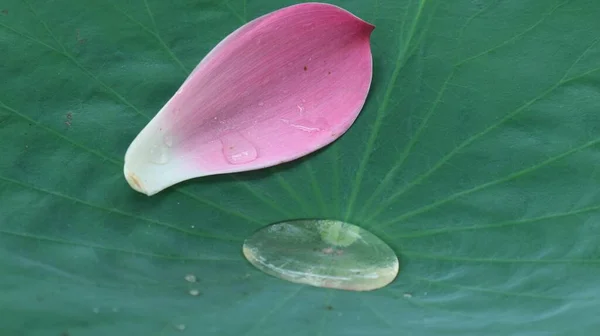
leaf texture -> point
(475, 158)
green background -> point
(475, 158)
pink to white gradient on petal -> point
(278, 88)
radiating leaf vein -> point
(120, 212)
(112, 249)
(433, 232)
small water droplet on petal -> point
(309, 126)
(168, 140)
(159, 154)
(237, 149)
(323, 253)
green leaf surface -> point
(475, 158)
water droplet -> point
(407, 295)
(159, 154)
(194, 292)
(168, 140)
(307, 125)
(190, 278)
(96, 310)
(180, 327)
(323, 253)
(237, 149)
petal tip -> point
(134, 182)
(368, 27)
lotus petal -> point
(278, 88)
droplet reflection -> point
(323, 253)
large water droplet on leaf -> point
(323, 253)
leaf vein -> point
(429, 233)
(400, 60)
(438, 257)
(471, 140)
(496, 292)
(110, 249)
(120, 163)
(118, 212)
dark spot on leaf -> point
(305, 68)
(478, 4)
(329, 72)
(64, 333)
(5, 11)
(78, 37)
(69, 119)
(329, 307)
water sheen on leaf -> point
(475, 159)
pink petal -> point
(276, 89)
